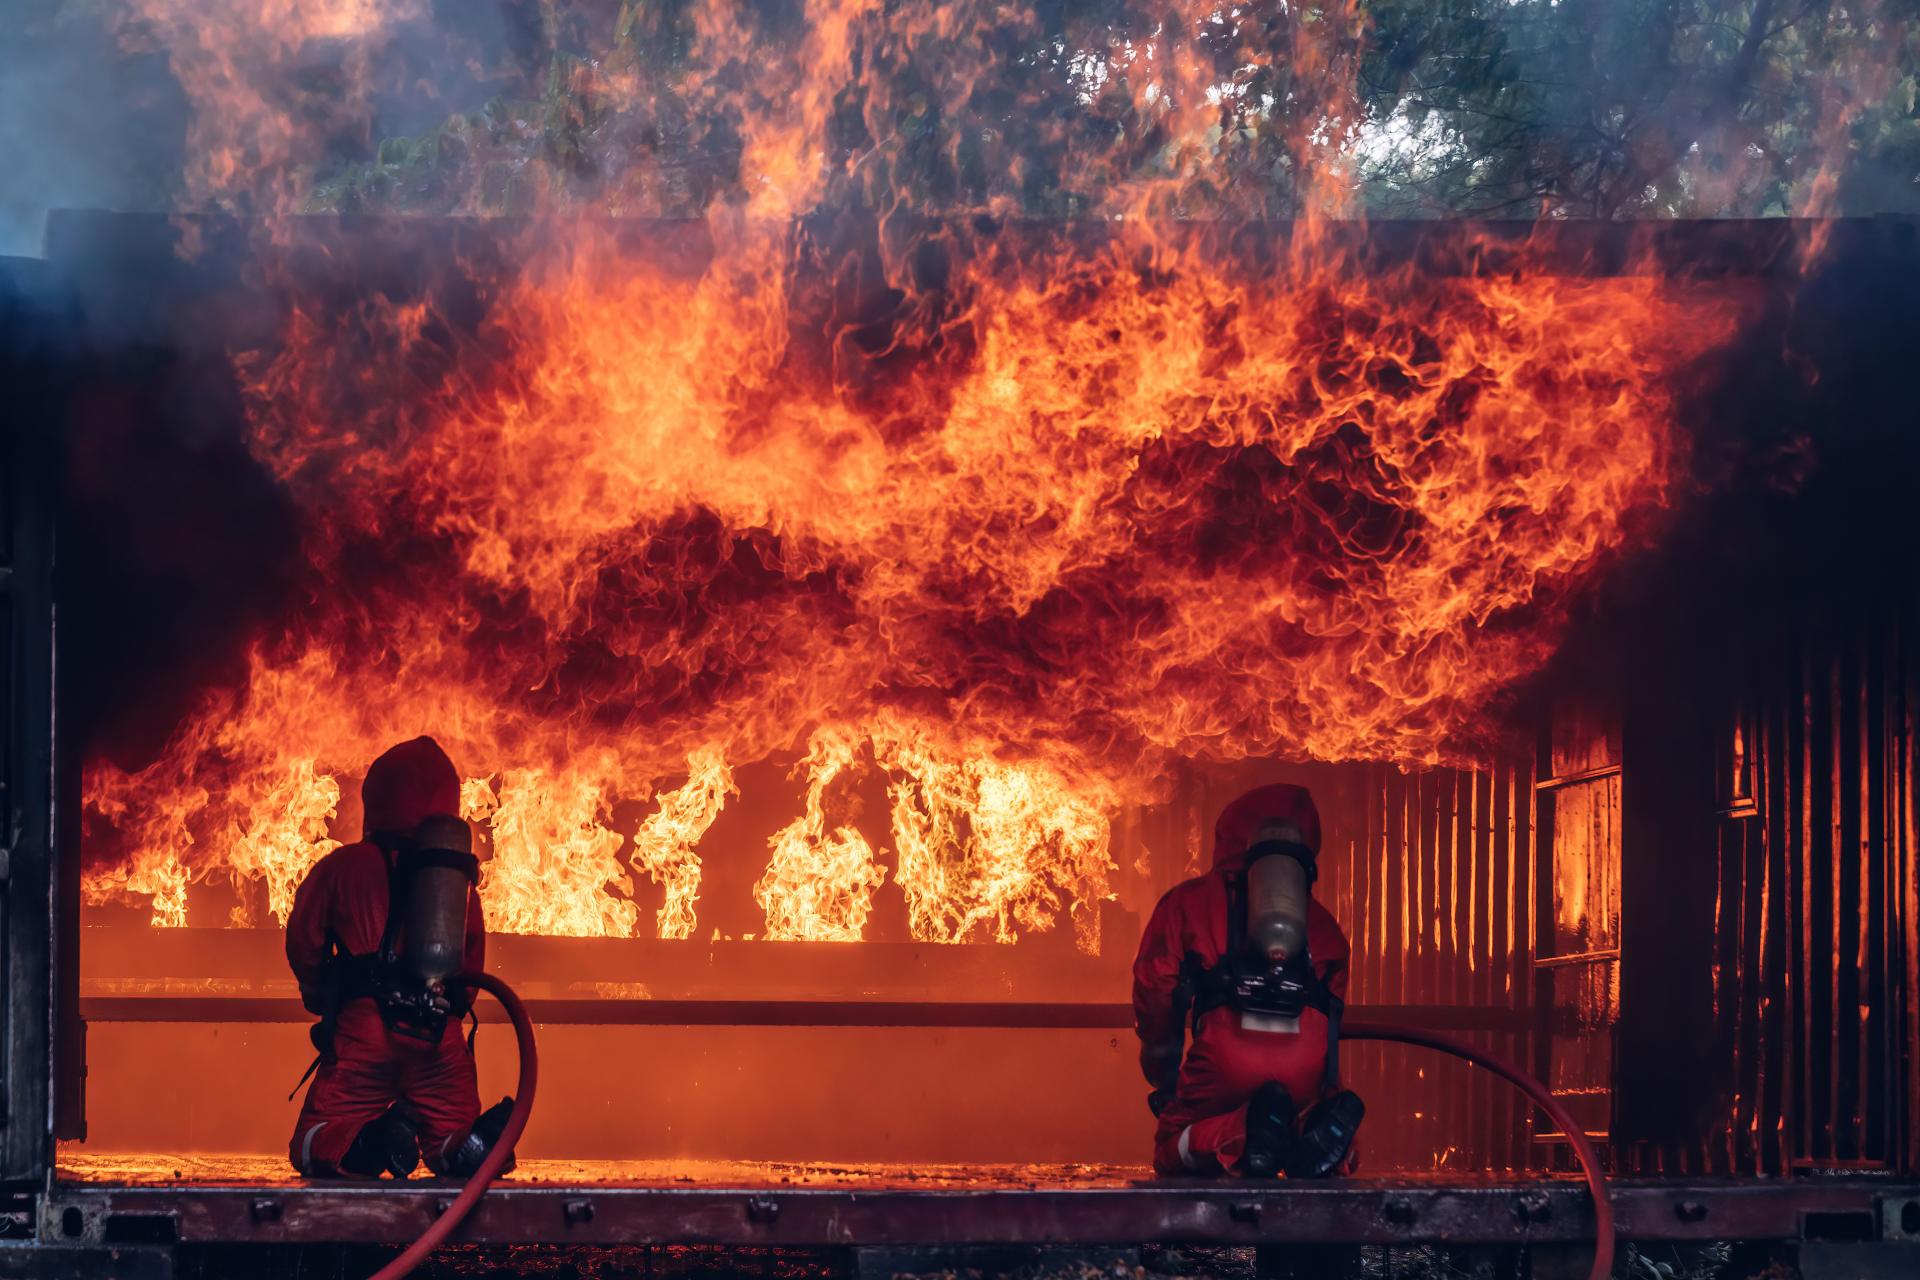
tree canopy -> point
(1402, 108)
(1433, 108)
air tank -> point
(435, 941)
(1276, 907)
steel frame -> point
(1213, 1212)
(32, 950)
(767, 1013)
(88, 1218)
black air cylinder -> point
(1276, 907)
(436, 927)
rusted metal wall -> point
(1815, 940)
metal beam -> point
(771, 1013)
(1216, 1212)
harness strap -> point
(1205, 987)
(1236, 916)
(398, 887)
(414, 859)
(356, 976)
(1211, 987)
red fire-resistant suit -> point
(1203, 1128)
(343, 901)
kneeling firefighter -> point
(1259, 969)
(378, 933)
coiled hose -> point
(490, 1167)
(1582, 1149)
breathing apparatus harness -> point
(1244, 981)
(407, 1000)
(1269, 994)
(430, 871)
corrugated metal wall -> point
(1436, 889)
(1814, 973)
(1463, 917)
(1431, 873)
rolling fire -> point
(1005, 516)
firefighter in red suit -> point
(1257, 1093)
(387, 1089)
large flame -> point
(983, 845)
(664, 844)
(819, 884)
(1010, 518)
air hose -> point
(495, 1159)
(1582, 1149)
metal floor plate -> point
(215, 1198)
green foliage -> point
(1482, 108)
(1641, 107)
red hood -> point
(406, 784)
(1246, 815)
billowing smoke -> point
(83, 123)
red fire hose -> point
(1582, 1149)
(489, 1169)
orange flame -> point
(1186, 516)
(554, 858)
(983, 846)
(819, 885)
(285, 836)
(1018, 518)
(664, 845)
